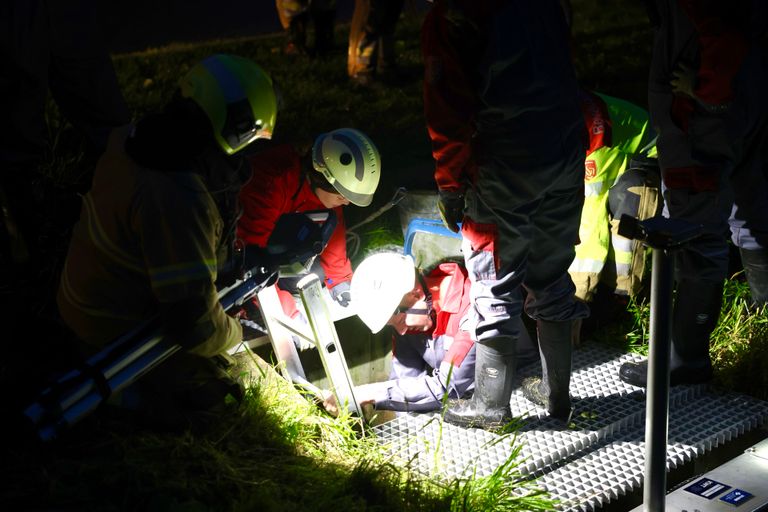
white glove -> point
(341, 293)
(684, 81)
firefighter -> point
(508, 140)
(619, 178)
(344, 167)
(371, 53)
(432, 354)
(295, 16)
(160, 218)
(707, 102)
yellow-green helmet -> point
(350, 162)
(236, 95)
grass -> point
(278, 451)
(738, 346)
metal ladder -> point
(322, 335)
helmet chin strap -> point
(428, 311)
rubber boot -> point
(552, 389)
(527, 350)
(695, 315)
(494, 370)
(755, 264)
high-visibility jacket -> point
(278, 186)
(617, 131)
(146, 239)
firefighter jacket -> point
(712, 126)
(279, 186)
(145, 241)
(617, 130)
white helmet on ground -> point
(350, 162)
(379, 284)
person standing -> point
(707, 101)
(371, 54)
(508, 141)
(295, 17)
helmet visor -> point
(240, 127)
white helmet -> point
(378, 286)
(350, 162)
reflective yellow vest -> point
(617, 131)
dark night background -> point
(135, 25)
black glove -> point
(341, 293)
(451, 206)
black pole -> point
(663, 235)
(657, 393)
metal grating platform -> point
(600, 456)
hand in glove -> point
(451, 206)
(328, 399)
(684, 81)
(341, 293)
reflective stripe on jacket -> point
(145, 239)
(617, 130)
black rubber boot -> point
(527, 350)
(494, 370)
(637, 374)
(755, 264)
(552, 389)
(695, 315)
